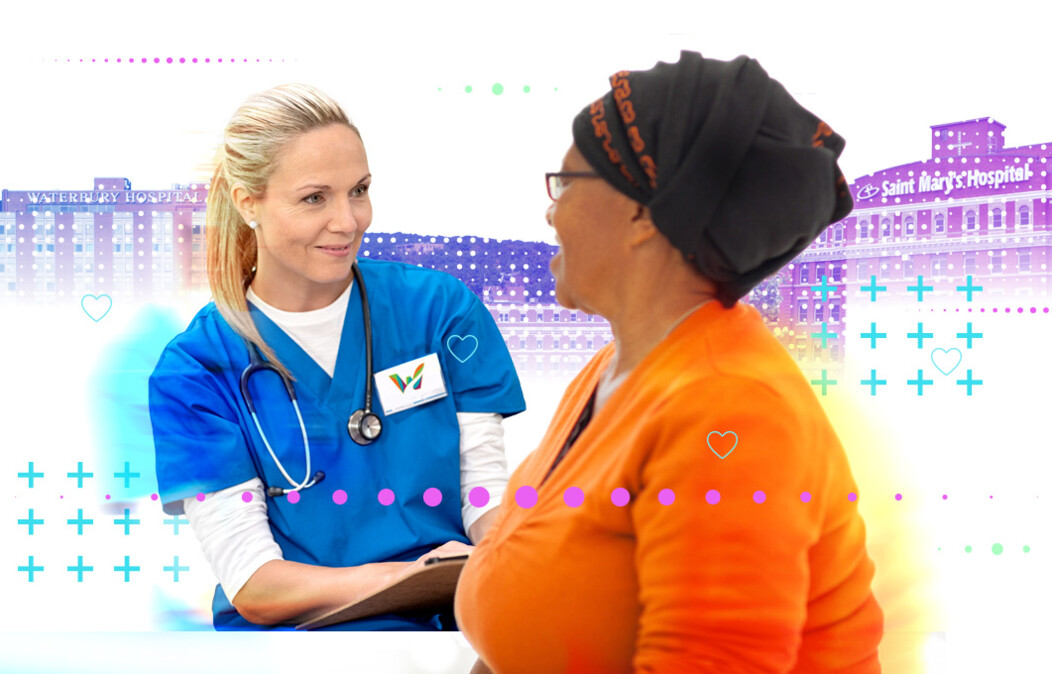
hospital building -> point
(974, 208)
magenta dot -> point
(339, 497)
(105, 60)
(432, 496)
(220, 60)
(194, 60)
(957, 310)
(208, 60)
(1008, 310)
(478, 497)
(991, 495)
(153, 497)
(182, 60)
(666, 497)
(1033, 310)
(246, 496)
(526, 496)
(619, 497)
(293, 497)
(712, 497)
(969, 310)
(805, 497)
(983, 310)
(852, 497)
(200, 496)
(1020, 310)
(156, 60)
(118, 60)
(144, 60)
(995, 310)
(60, 496)
(759, 497)
(1046, 310)
(573, 497)
(898, 497)
(107, 497)
(385, 497)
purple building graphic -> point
(974, 209)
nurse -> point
(294, 515)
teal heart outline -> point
(709, 443)
(960, 357)
(96, 298)
(449, 347)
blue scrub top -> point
(205, 438)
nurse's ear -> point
(244, 202)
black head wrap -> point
(736, 174)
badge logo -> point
(417, 376)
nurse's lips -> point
(336, 251)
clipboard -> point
(431, 587)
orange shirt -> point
(714, 582)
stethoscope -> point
(363, 425)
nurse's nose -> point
(548, 214)
(344, 219)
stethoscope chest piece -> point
(364, 427)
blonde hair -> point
(256, 134)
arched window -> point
(885, 228)
(911, 229)
(969, 220)
(998, 218)
(1024, 216)
(863, 230)
(940, 223)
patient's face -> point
(588, 222)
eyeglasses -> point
(557, 184)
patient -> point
(695, 511)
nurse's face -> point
(589, 228)
(311, 219)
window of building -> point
(885, 270)
(805, 274)
(998, 218)
(834, 313)
(1024, 216)
(907, 269)
(911, 228)
(836, 273)
(969, 220)
(1024, 259)
(824, 236)
(885, 228)
(838, 234)
(834, 352)
(940, 223)
(938, 264)
(862, 271)
(969, 263)
(801, 315)
(863, 230)
(820, 312)
(997, 261)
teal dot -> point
(526, 89)
(498, 89)
(967, 548)
(998, 548)
(1026, 548)
(939, 549)
(440, 88)
(467, 89)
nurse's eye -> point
(360, 190)
(310, 198)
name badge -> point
(412, 383)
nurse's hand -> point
(450, 549)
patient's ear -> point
(643, 228)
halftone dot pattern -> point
(526, 496)
(805, 497)
(573, 497)
(759, 497)
(666, 497)
(479, 497)
(712, 497)
(498, 89)
(293, 497)
(200, 496)
(619, 497)
(339, 497)
(153, 497)
(386, 497)
(967, 548)
(852, 497)
(246, 496)
(898, 497)
(998, 548)
(432, 496)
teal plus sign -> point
(969, 382)
(969, 335)
(920, 288)
(824, 382)
(175, 568)
(80, 521)
(176, 521)
(126, 521)
(919, 382)
(80, 568)
(873, 335)
(873, 382)
(873, 289)
(127, 475)
(969, 288)
(127, 569)
(31, 521)
(825, 335)
(31, 475)
(920, 335)
(31, 568)
(825, 288)
(80, 475)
